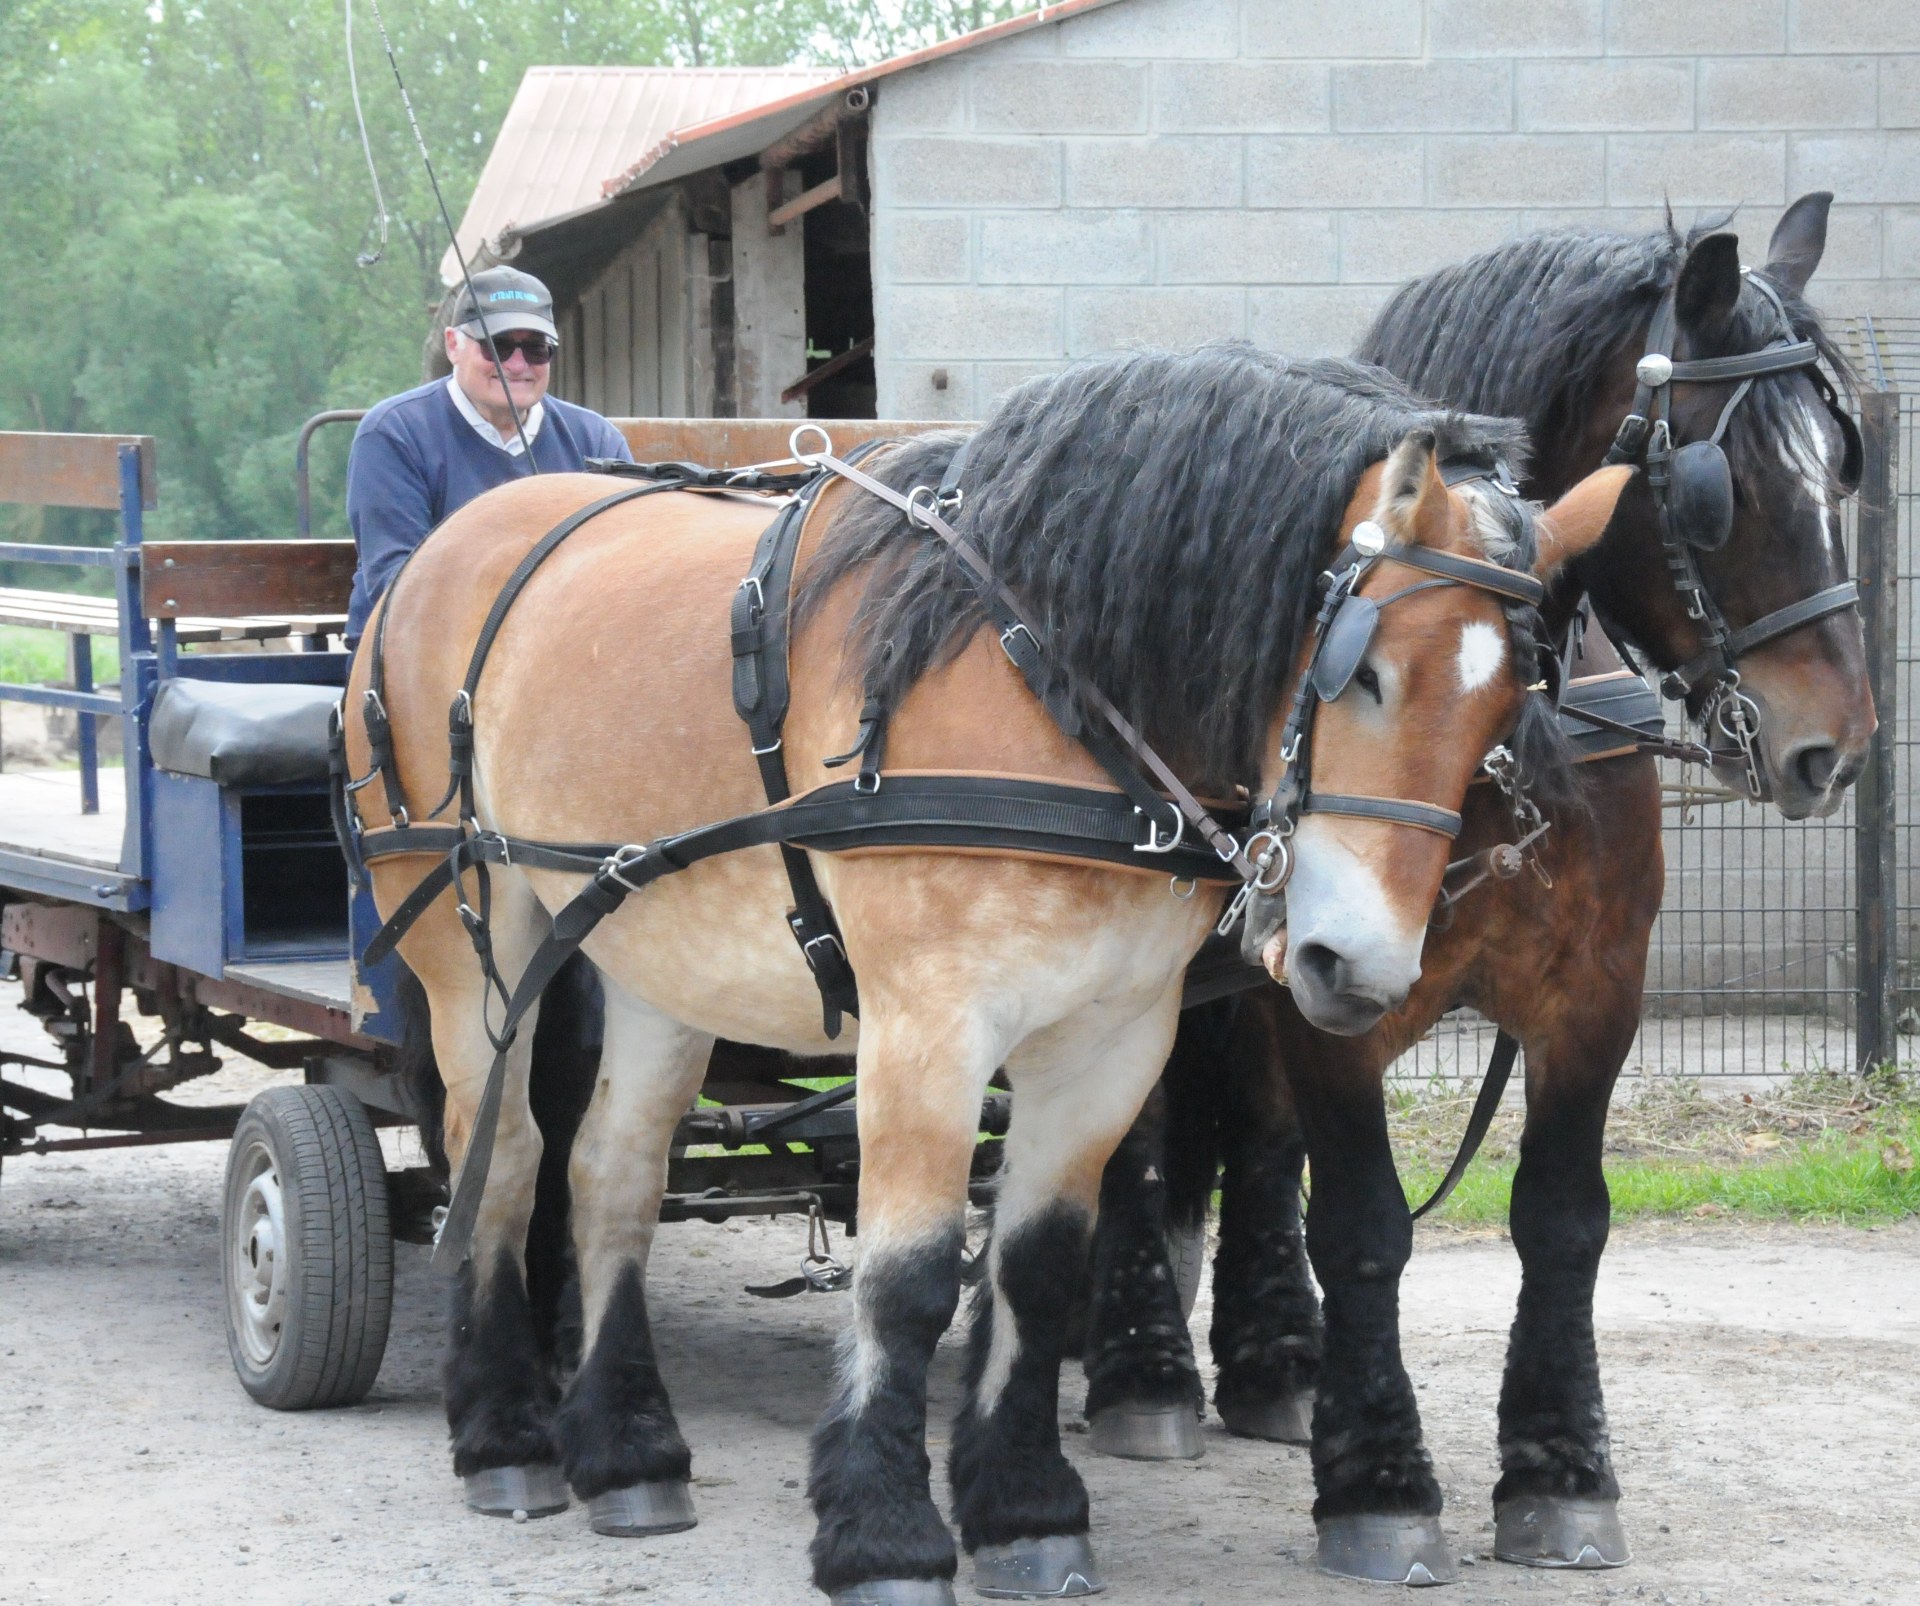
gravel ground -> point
(1760, 1383)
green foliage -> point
(183, 195)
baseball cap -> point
(504, 299)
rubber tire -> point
(339, 1249)
(1187, 1254)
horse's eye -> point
(1367, 681)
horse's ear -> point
(1709, 285)
(1575, 523)
(1799, 240)
(1413, 497)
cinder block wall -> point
(1161, 171)
(1167, 170)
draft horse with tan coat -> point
(1163, 519)
(1729, 529)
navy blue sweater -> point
(415, 459)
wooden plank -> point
(735, 441)
(804, 202)
(241, 579)
(49, 470)
(59, 610)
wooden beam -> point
(49, 470)
(803, 203)
(244, 579)
(810, 136)
(827, 370)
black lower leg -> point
(500, 1388)
(870, 1480)
(615, 1426)
(1010, 1480)
(1138, 1351)
(1553, 1423)
(1266, 1317)
(1367, 1449)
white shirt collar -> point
(512, 445)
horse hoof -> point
(895, 1592)
(1058, 1567)
(1386, 1549)
(1283, 1421)
(1541, 1530)
(665, 1507)
(1147, 1432)
(536, 1489)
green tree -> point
(184, 196)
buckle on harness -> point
(1155, 843)
(832, 953)
(633, 853)
(1013, 654)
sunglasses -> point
(537, 349)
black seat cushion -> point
(242, 735)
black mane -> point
(1163, 517)
(1529, 329)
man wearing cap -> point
(418, 456)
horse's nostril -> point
(1322, 966)
(1815, 767)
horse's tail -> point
(1193, 1151)
(416, 1072)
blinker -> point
(1700, 499)
(1344, 647)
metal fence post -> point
(1877, 801)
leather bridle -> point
(1676, 473)
(1342, 630)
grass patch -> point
(1822, 1148)
(37, 657)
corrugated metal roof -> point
(571, 129)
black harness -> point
(1692, 488)
(1007, 815)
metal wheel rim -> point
(258, 1256)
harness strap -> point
(1002, 814)
(1397, 811)
(1485, 576)
(1506, 1049)
(460, 714)
(758, 622)
(1769, 627)
(1748, 364)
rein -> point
(1693, 494)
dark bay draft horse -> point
(1552, 329)
(1164, 518)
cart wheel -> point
(306, 1255)
(1187, 1254)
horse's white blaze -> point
(1482, 652)
(1805, 454)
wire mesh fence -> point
(1782, 946)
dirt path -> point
(1760, 1382)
